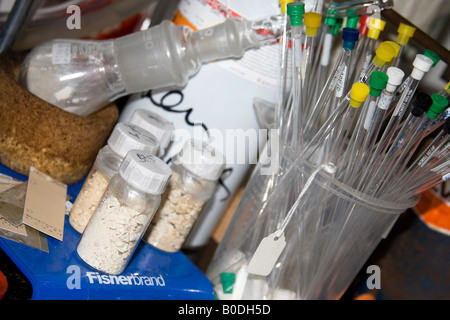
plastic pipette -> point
(349, 36)
(405, 32)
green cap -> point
(330, 17)
(337, 26)
(438, 106)
(295, 11)
(352, 19)
(377, 82)
(433, 56)
(227, 279)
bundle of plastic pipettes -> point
(354, 111)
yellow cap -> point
(375, 27)
(312, 22)
(405, 32)
(447, 87)
(283, 4)
(384, 54)
(358, 94)
(396, 47)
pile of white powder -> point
(111, 236)
(175, 218)
(88, 200)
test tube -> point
(377, 83)
(405, 32)
(349, 37)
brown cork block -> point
(34, 133)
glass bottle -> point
(82, 76)
(196, 170)
(123, 138)
(126, 209)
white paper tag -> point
(45, 204)
(267, 254)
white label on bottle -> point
(403, 104)
(61, 53)
(341, 83)
(369, 116)
(267, 254)
(384, 102)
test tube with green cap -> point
(227, 279)
(295, 12)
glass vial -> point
(124, 137)
(126, 209)
(196, 170)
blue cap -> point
(350, 36)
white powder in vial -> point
(88, 200)
(175, 218)
(111, 236)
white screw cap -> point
(201, 159)
(395, 78)
(145, 171)
(422, 64)
(160, 127)
(127, 136)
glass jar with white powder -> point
(157, 125)
(196, 170)
(124, 137)
(123, 215)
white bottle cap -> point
(145, 171)
(201, 159)
(127, 136)
(160, 127)
(422, 64)
(395, 78)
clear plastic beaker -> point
(329, 237)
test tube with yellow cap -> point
(405, 32)
(337, 128)
(312, 22)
